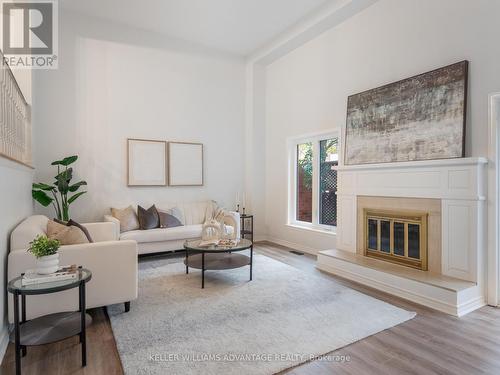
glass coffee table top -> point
(243, 244)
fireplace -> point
(453, 195)
(396, 236)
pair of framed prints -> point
(162, 163)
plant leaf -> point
(41, 197)
(66, 161)
(69, 160)
(74, 197)
(76, 186)
(67, 175)
(63, 179)
(42, 186)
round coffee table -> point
(215, 257)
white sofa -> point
(113, 265)
(158, 240)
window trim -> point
(292, 143)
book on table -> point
(63, 273)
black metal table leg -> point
(251, 262)
(202, 270)
(23, 320)
(17, 338)
(80, 335)
(187, 267)
(83, 333)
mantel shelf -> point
(417, 164)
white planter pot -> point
(47, 264)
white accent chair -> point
(171, 239)
(113, 265)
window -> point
(304, 182)
(313, 182)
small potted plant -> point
(45, 251)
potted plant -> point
(60, 189)
(45, 251)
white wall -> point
(15, 205)
(306, 90)
(115, 83)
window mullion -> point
(315, 187)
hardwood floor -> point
(431, 343)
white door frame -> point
(493, 200)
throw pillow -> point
(85, 231)
(148, 219)
(66, 235)
(167, 220)
(128, 218)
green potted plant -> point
(45, 251)
(60, 189)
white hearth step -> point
(444, 293)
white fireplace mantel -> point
(460, 185)
(463, 178)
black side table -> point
(49, 328)
(246, 231)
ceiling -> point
(237, 27)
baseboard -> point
(470, 306)
(4, 341)
(293, 246)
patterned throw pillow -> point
(167, 220)
(128, 218)
(66, 235)
(148, 219)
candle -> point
(244, 200)
(237, 198)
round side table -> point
(49, 328)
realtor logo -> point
(29, 31)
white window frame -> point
(292, 179)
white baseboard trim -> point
(292, 245)
(4, 341)
(470, 306)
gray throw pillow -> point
(167, 220)
(148, 219)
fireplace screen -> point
(398, 237)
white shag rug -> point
(282, 318)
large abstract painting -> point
(418, 118)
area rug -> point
(282, 318)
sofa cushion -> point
(128, 218)
(167, 220)
(85, 231)
(148, 219)
(66, 235)
(175, 212)
(164, 234)
(193, 212)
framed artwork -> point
(146, 162)
(418, 118)
(185, 166)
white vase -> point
(47, 264)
